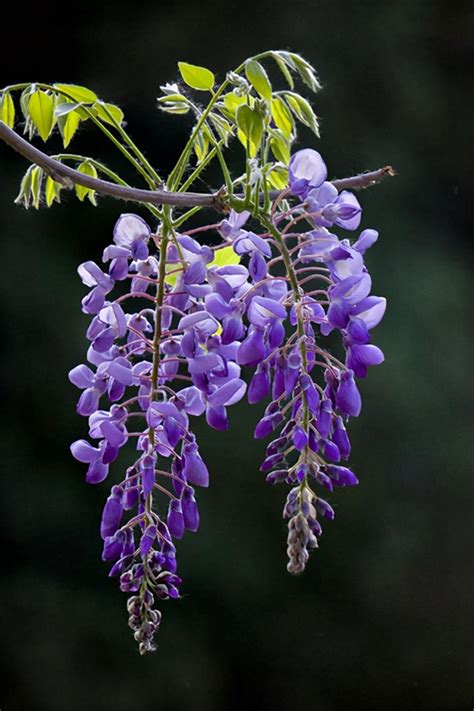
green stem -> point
(156, 212)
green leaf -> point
(201, 146)
(109, 113)
(65, 108)
(174, 104)
(68, 125)
(281, 147)
(23, 196)
(7, 110)
(36, 181)
(87, 169)
(77, 93)
(41, 111)
(258, 77)
(282, 117)
(250, 126)
(51, 191)
(303, 111)
(306, 71)
(284, 69)
(223, 127)
(278, 178)
(196, 77)
(224, 257)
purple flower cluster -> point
(200, 314)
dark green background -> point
(382, 619)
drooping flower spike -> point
(181, 357)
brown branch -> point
(364, 180)
(68, 177)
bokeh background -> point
(382, 620)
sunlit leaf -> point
(250, 126)
(224, 257)
(284, 69)
(282, 117)
(7, 110)
(109, 113)
(77, 93)
(302, 110)
(258, 77)
(51, 191)
(23, 197)
(223, 127)
(201, 146)
(41, 111)
(196, 77)
(87, 169)
(35, 189)
(278, 178)
(68, 125)
(281, 147)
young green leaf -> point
(282, 117)
(77, 93)
(174, 104)
(7, 110)
(283, 68)
(68, 124)
(223, 127)
(250, 126)
(51, 191)
(278, 177)
(87, 169)
(41, 111)
(109, 113)
(196, 77)
(201, 146)
(281, 147)
(306, 71)
(303, 111)
(36, 181)
(23, 197)
(224, 257)
(258, 77)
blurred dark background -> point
(382, 620)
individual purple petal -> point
(231, 226)
(194, 469)
(216, 417)
(366, 239)
(230, 393)
(259, 386)
(175, 520)
(324, 508)
(82, 377)
(300, 438)
(112, 513)
(88, 402)
(190, 509)
(120, 369)
(370, 310)
(252, 350)
(306, 170)
(147, 540)
(84, 452)
(348, 398)
(129, 229)
(342, 476)
(97, 472)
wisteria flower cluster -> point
(179, 354)
(186, 321)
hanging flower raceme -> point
(180, 354)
